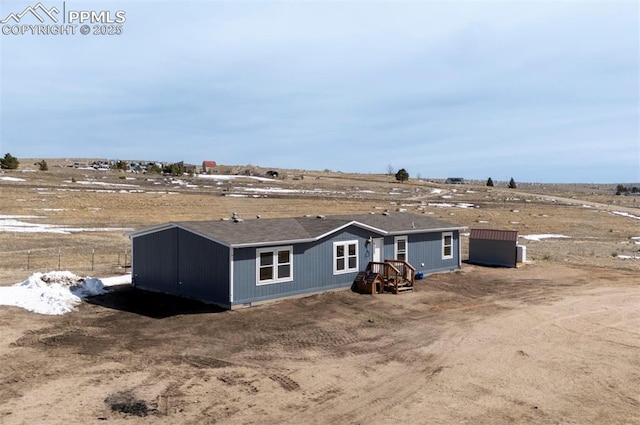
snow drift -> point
(56, 292)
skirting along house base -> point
(234, 263)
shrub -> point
(402, 175)
(9, 162)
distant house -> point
(237, 262)
(455, 180)
(208, 166)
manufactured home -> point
(235, 263)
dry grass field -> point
(553, 341)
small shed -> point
(493, 247)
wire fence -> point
(94, 261)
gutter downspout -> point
(459, 250)
(231, 255)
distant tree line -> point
(626, 190)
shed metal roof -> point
(269, 231)
(494, 235)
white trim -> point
(406, 247)
(274, 251)
(444, 235)
(334, 257)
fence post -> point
(59, 255)
(93, 254)
(28, 259)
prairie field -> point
(553, 341)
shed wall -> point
(492, 252)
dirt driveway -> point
(541, 344)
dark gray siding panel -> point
(312, 268)
(178, 262)
(155, 264)
(492, 253)
(203, 271)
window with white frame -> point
(447, 245)
(401, 245)
(274, 265)
(345, 257)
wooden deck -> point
(394, 276)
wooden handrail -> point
(406, 270)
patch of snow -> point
(446, 196)
(94, 183)
(226, 177)
(629, 257)
(54, 293)
(434, 191)
(542, 236)
(17, 226)
(12, 179)
(625, 214)
(448, 205)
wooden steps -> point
(394, 276)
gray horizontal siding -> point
(312, 268)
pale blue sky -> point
(544, 91)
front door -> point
(378, 245)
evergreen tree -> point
(512, 183)
(9, 162)
(42, 165)
(490, 182)
(402, 175)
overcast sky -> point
(542, 91)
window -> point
(401, 248)
(345, 257)
(447, 245)
(274, 265)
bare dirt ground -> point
(541, 344)
(556, 341)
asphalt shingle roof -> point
(294, 229)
